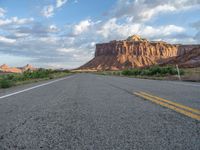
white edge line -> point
(34, 87)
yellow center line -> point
(162, 103)
(173, 103)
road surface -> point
(94, 112)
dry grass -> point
(192, 74)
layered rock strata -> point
(137, 52)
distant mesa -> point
(6, 69)
(4, 66)
(137, 52)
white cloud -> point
(111, 30)
(144, 10)
(21, 35)
(15, 21)
(7, 40)
(149, 13)
(60, 3)
(2, 12)
(66, 50)
(53, 28)
(48, 11)
(82, 27)
(49, 40)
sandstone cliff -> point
(137, 52)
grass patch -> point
(5, 83)
(192, 74)
(8, 80)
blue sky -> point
(63, 33)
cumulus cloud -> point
(149, 13)
(48, 11)
(82, 27)
(53, 28)
(112, 29)
(6, 40)
(2, 12)
(144, 10)
(66, 50)
(35, 29)
(15, 21)
(60, 3)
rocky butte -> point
(136, 52)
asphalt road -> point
(93, 112)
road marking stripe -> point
(173, 103)
(34, 87)
(179, 110)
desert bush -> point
(5, 83)
(40, 73)
(11, 79)
(152, 71)
(126, 72)
(132, 72)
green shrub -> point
(41, 73)
(10, 76)
(5, 83)
(126, 72)
(66, 71)
(11, 79)
(152, 71)
(145, 72)
(131, 72)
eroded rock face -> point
(135, 52)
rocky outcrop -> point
(135, 52)
(6, 69)
(28, 67)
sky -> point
(63, 33)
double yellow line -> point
(185, 110)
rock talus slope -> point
(136, 52)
